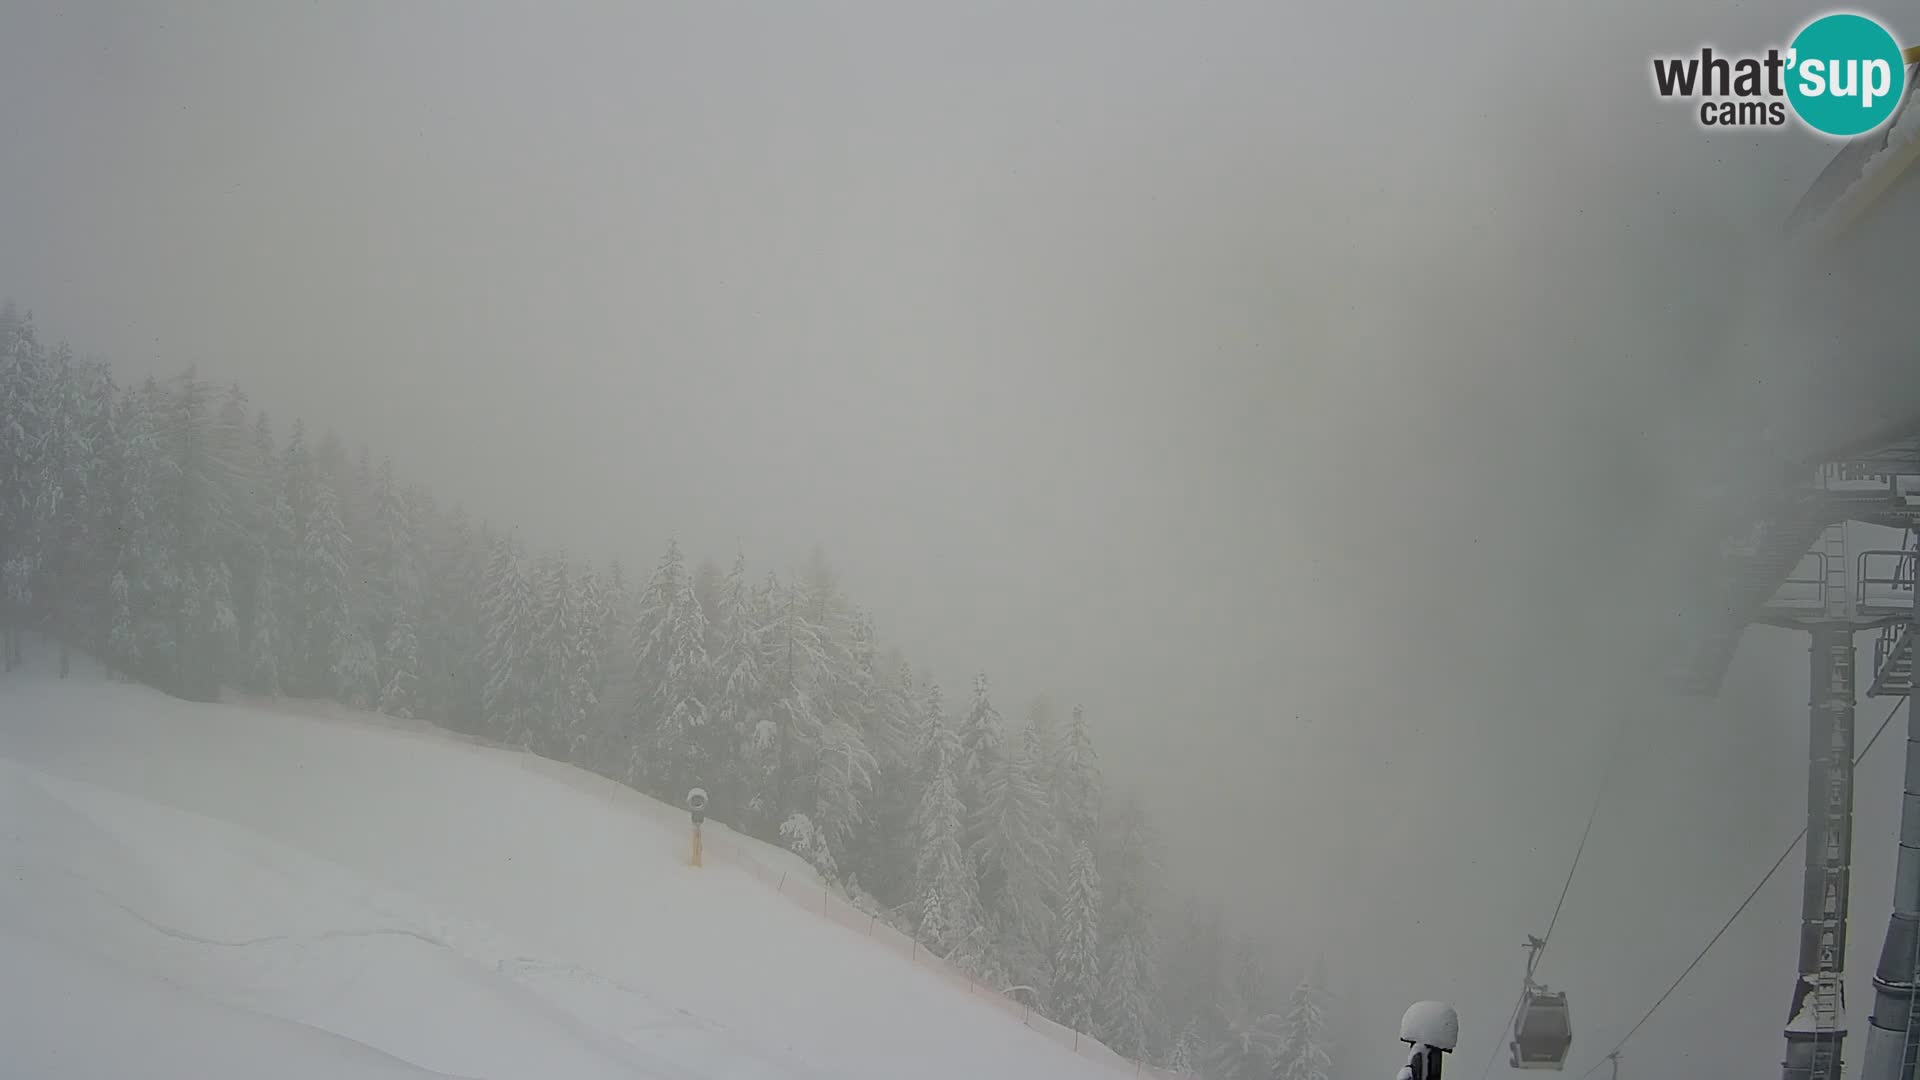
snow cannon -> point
(1432, 1028)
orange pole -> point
(696, 845)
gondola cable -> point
(1540, 949)
(1724, 927)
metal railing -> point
(1883, 578)
(1804, 591)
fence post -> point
(825, 905)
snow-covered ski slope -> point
(211, 892)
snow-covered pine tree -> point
(1125, 1017)
(611, 752)
(393, 559)
(219, 628)
(506, 613)
(323, 573)
(425, 527)
(270, 540)
(24, 424)
(1076, 784)
(1306, 1051)
(356, 667)
(264, 637)
(671, 677)
(981, 737)
(1184, 1060)
(1043, 719)
(401, 658)
(102, 528)
(64, 501)
(885, 848)
(553, 669)
(332, 467)
(16, 594)
(842, 781)
(586, 677)
(1248, 1052)
(317, 578)
(746, 785)
(1251, 996)
(122, 638)
(146, 555)
(1191, 973)
(297, 476)
(1076, 957)
(199, 482)
(296, 471)
(805, 840)
(452, 634)
(893, 724)
(802, 666)
(1125, 1012)
(391, 570)
(244, 481)
(946, 910)
(1016, 856)
(841, 687)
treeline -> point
(173, 532)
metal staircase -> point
(1745, 576)
(1893, 662)
(1738, 581)
(1893, 649)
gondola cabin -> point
(1542, 1031)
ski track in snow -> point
(323, 893)
(564, 992)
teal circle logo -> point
(1846, 75)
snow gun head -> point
(1431, 1023)
(697, 800)
(1431, 1028)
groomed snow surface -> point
(216, 892)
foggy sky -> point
(1300, 390)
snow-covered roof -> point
(1860, 172)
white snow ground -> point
(202, 892)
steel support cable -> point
(1724, 927)
(1599, 794)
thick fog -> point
(1312, 393)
